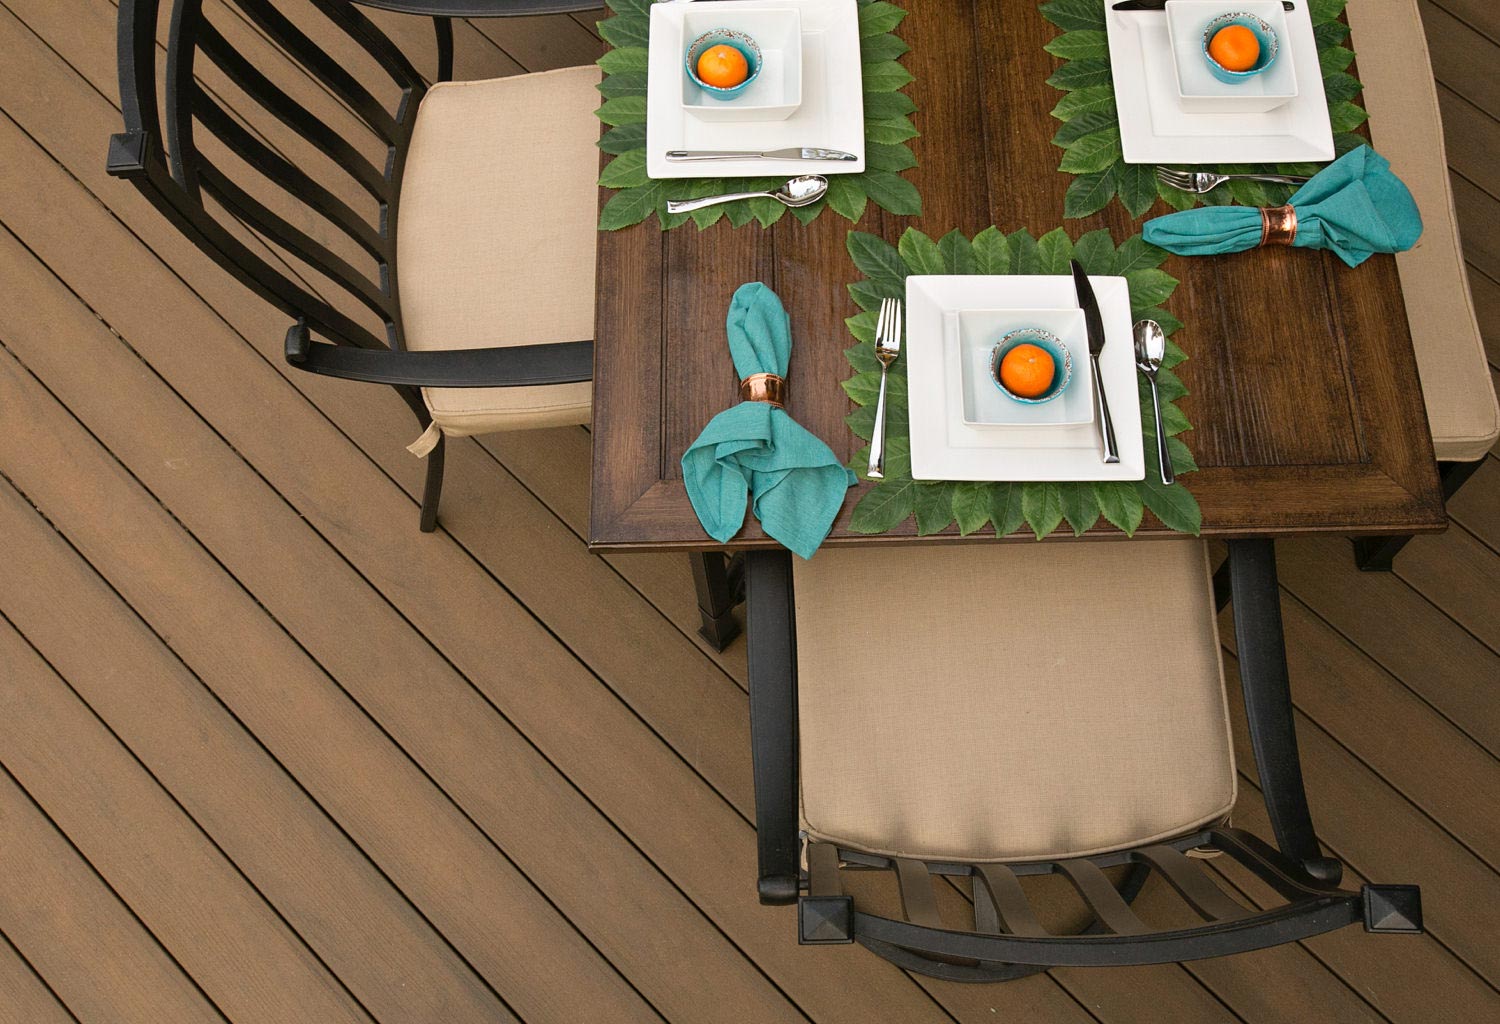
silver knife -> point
(1107, 444)
(795, 153)
(1161, 5)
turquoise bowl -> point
(748, 48)
(1048, 342)
(1270, 46)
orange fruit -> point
(1235, 48)
(1027, 371)
(723, 67)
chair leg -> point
(1378, 554)
(432, 492)
(772, 662)
(719, 580)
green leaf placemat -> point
(888, 127)
(1090, 132)
(1041, 506)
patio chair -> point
(971, 719)
(438, 270)
(1407, 127)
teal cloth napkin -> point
(1354, 206)
(794, 481)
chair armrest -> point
(566, 362)
(770, 635)
(483, 8)
(1268, 704)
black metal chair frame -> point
(1007, 940)
(164, 162)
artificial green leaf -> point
(846, 197)
(1335, 58)
(873, 49)
(625, 171)
(1330, 33)
(886, 76)
(1005, 508)
(889, 131)
(1095, 251)
(878, 18)
(958, 253)
(1086, 101)
(881, 156)
(1341, 86)
(1135, 253)
(624, 138)
(623, 30)
(862, 326)
(622, 59)
(1345, 116)
(623, 110)
(862, 357)
(1090, 193)
(1074, 14)
(1173, 504)
(920, 253)
(877, 259)
(933, 504)
(631, 206)
(893, 192)
(1169, 323)
(1343, 142)
(884, 507)
(1149, 287)
(1077, 127)
(867, 294)
(971, 506)
(1137, 186)
(1054, 250)
(1042, 505)
(1023, 255)
(1120, 503)
(992, 251)
(1080, 74)
(1080, 43)
(631, 83)
(1079, 507)
(1092, 153)
(1325, 10)
(884, 106)
(864, 388)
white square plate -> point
(831, 116)
(943, 447)
(1154, 129)
(1197, 88)
(984, 404)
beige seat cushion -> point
(481, 262)
(1407, 128)
(1010, 701)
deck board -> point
(524, 793)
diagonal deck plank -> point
(284, 504)
(24, 996)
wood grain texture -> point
(1303, 378)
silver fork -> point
(887, 348)
(1199, 182)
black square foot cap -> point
(825, 920)
(1393, 908)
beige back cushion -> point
(481, 260)
(1407, 129)
(1003, 702)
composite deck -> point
(268, 754)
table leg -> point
(1378, 554)
(720, 582)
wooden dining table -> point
(1307, 412)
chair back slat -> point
(294, 240)
(330, 73)
(291, 113)
(997, 888)
(289, 177)
(1108, 906)
(918, 901)
(375, 42)
(1195, 887)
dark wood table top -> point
(1305, 400)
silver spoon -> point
(800, 191)
(1150, 346)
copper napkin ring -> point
(1278, 225)
(764, 387)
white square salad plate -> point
(945, 447)
(831, 114)
(1155, 129)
